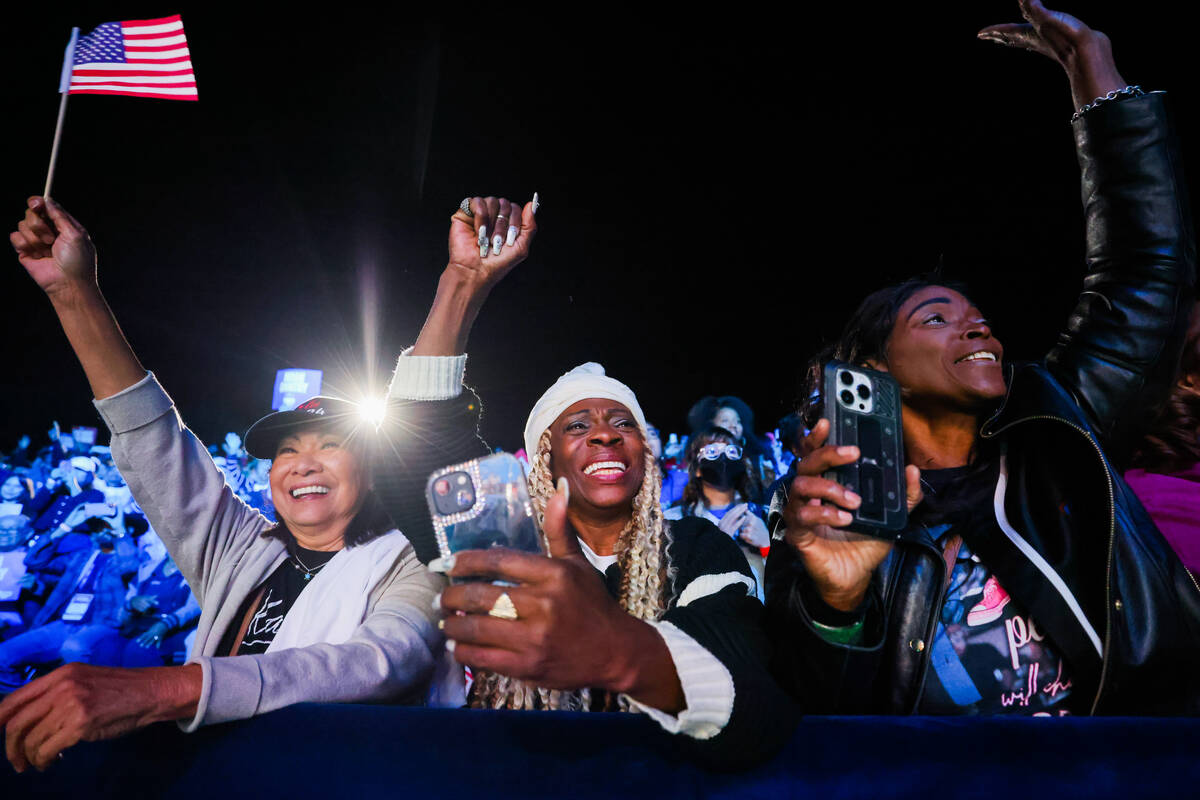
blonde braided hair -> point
(647, 575)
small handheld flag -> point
(137, 58)
(141, 58)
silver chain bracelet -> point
(1128, 91)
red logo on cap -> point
(309, 405)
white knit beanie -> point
(585, 382)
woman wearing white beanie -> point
(631, 612)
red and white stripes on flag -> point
(140, 58)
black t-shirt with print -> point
(279, 593)
(988, 655)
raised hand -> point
(493, 239)
(52, 247)
(484, 246)
(1085, 54)
(232, 444)
(818, 510)
(58, 254)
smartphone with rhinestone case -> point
(480, 504)
(863, 409)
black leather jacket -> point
(1079, 551)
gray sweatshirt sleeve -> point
(207, 529)
(388, 658)
(171, 475)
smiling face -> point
(11, 488)
(318, 485)
(597, 446)
(942, 353)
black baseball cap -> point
(263, 437)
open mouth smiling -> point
(979, 355)
(304, 491)
(605, 469)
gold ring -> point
(503, 607)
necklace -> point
(308, 571)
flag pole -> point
(64, 88)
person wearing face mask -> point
(719, 490)
(630, 612)
(734, 415)
(81, 614)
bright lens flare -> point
(373, 409)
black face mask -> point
(722, 472)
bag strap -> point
(953, 544)
(249, 615)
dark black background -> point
(719, 190)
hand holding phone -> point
(481, 504)
(823, 517)
(863, 409)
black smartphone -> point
(863, 409)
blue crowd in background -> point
(83, 576)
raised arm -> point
(1120, 349)
(1084, 54)
(168, 468)
(477, 263)
(431, 421)
(58, 254)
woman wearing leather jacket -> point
(1029, 578)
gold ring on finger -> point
(503, 608)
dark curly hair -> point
(1173, 443)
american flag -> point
(140, 58)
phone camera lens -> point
(847, 378)
(465, 499)
(864, 391)
(847, 397)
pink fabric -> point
(1174, 503)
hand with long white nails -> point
(485, 244)
(500, 232)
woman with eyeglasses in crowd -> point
(720, 490)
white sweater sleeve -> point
(427, 377)
(707, 687)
